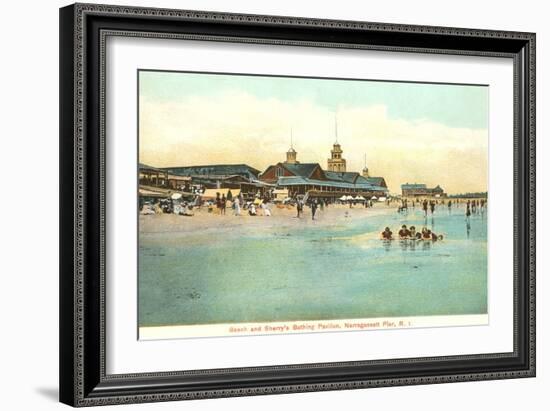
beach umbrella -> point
(343, 198)
(360, 198)
(176, 196)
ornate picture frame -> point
(84, 31)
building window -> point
(279, 172)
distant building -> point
(273, 173)
(156, 177)
(216, 170)
(290, 177)
(421, 190)
(218, 176)
(479, 194)
(302, 178)
(311, 178)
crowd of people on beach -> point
(238, 204)
(472, 206)
(405, 204)
(411, 234)
(475, 207)
(314, 205)
(261, 206)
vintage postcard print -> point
(272, 205)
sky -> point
(409, 132)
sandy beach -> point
(280, 217)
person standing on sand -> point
(265, 209)
(299, 208)
(449, 206)
(218, 203)
(237, 206)
(432, 206)
(313, 209)
(198, 202)
(223, 204)
(425, 207)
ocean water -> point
(335, 271)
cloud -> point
(237, 127)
